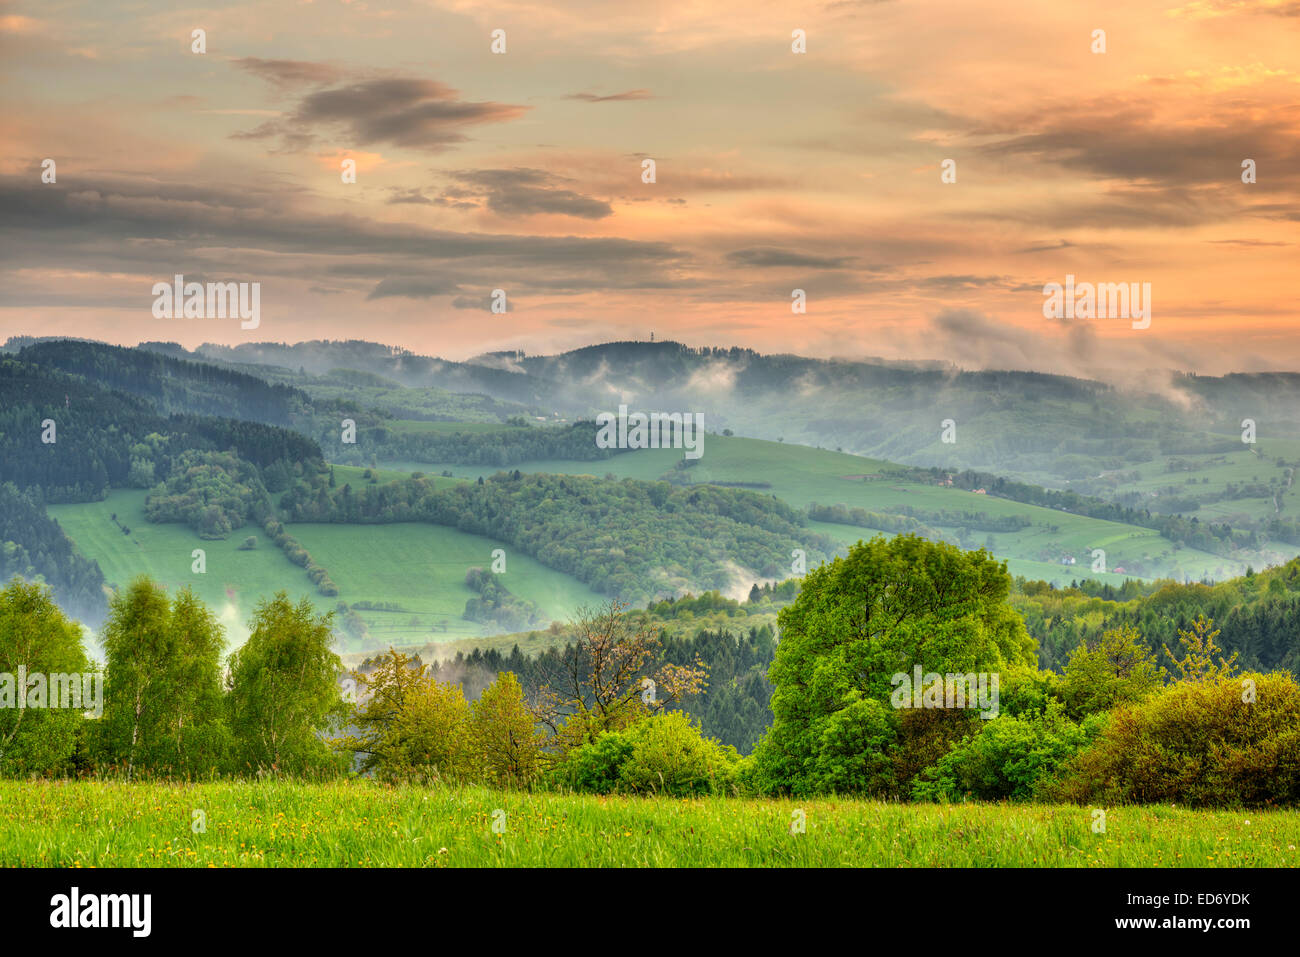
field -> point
(233, 583)
(422, 568)
(359, 823)
(419, 567)
(801, 475)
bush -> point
(662, 754)
(852, 751)
(594, 767)
(671, 756)
(1011, 757)
(1199, 744)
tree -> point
(284, 687)
(162, 681)
(429, 740)
(606, 682)
(1117, 669)
(404, 720)
(889, 606)
(504, 734)
(1197, 664)
(35, 636)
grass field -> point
(233, 583)
(359, 823)
(422, 568)
(801, 475)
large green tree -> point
(889, 606)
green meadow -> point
(422, 568)
(234, 582)
(359, 823)
(419, 567)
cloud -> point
(1047, 247)
(1121, 139)
(401, 111)
(412, 288)
(287, 73)
(613, 97)
(409, 196)
(527, 192)
(150, 228)
(773, 257)
(1212, 9)
(1249, 242)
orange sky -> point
(775, 171)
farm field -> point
(801, 475)
(419, 567)
(1202, 476)
(233, 584)
(422, 568)
(359, 823)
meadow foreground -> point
(360, 823)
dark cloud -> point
(286, 73)
(1130, 207)
(1117, 139)
(957, 283)
(401, 111)
(482, 303)
(1047, 247)
(413, 288)
(613, 97)
(1249, 242)
(527, 192)
(152, 229)
(773, 257)
(409, 196)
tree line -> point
(629, 539)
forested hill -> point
(33, 546)
(172, 385)
(1047, 429)
(628, 539)
(73, 439)
(1258, 614)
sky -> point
(774, 171)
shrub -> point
(661, 754)
(851, 753)
(594, 767)
(1011, 756)
(670, 756)
(1198, 744)
(1115, 670)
